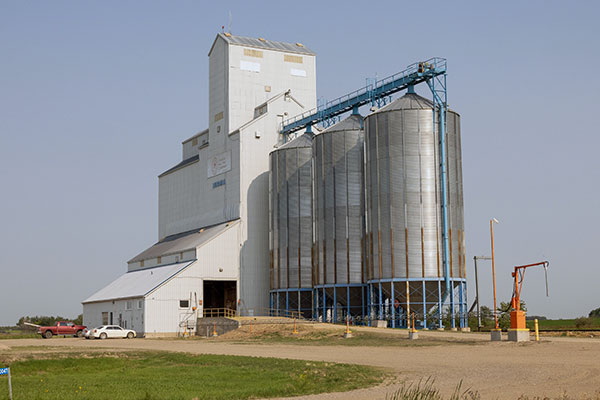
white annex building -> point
(213, 245)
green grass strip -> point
(162, 375)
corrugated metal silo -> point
(291, 226)
(404, 220)
(338, 154)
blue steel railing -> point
(413, 74)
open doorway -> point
(220, 294)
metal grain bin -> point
(404, 222)
(291, 230)
(339, 202)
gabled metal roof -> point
(261, 43)
(137, 283)
(182, 164)
(182, 241)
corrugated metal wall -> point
(216, 261)
(291, 214)
(339, 205)
(404, 229)
(129, 318)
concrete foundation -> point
(347, 335)
(467, 329)
(381, 323)
(207, 326)
(413, 335)
(518, 335)
(454, 329)
(496, 335)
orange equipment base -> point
(517, 320)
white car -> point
(111, 331)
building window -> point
(159, 260)
(260, 110)
(142, 263)
(129, 304)
(140, 304)
(104, 318)
(184, 304)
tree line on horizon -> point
(45, 320)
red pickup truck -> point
(61, 328)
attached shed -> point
(163, 300)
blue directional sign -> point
(3, 371)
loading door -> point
(220, 295)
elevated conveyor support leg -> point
(437, 85)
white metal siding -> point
(188, 200)
(189, 149)
(255, 203)
(132, 318)
(218, 259)
(246, 89)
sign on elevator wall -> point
(219, 164)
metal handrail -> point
(219, 312)
(266, 312)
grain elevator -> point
(347, 211)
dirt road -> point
(496, 370)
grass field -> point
(16, 333)
(163, 375)
(565, 324)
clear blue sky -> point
(96, 97)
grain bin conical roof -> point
(304, 140)
(353, 122)
(410, 101)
